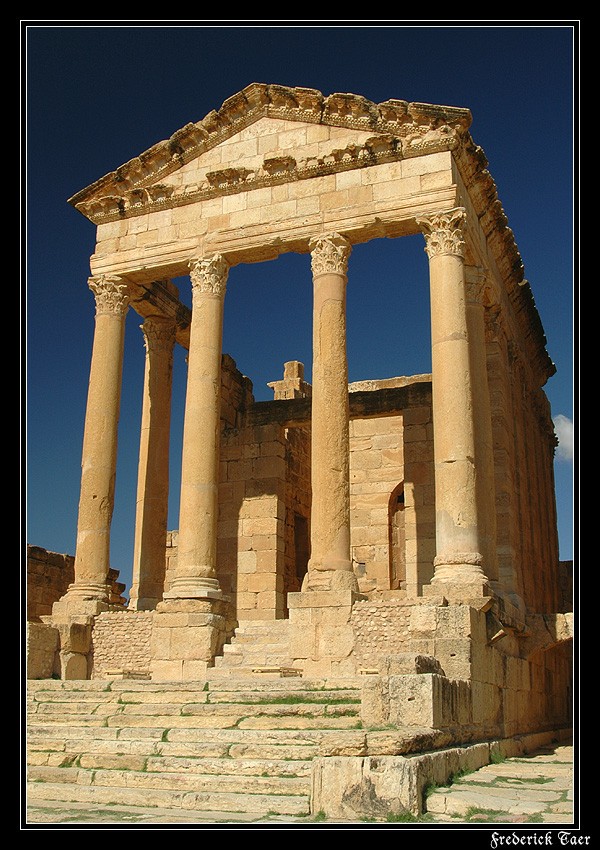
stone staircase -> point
(222, 745)
(256, 646)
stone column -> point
(149, 551)
(458, 562)
(330, 565)
(191, 624)
(99, 456)
(196, 576)
(482, 416)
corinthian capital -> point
(209, 275)
(159, 333)
(111, 295)
(329, 254)
(443, 232)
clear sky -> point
(96, 94)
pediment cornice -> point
(400, 129)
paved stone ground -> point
(529, 790)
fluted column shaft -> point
(196, 575)
(152, 503)
(458, 559)
(330, 448)
(99, 455)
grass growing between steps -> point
(293, 700)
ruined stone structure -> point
(396, 536)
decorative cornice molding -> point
(111, 295)
(209, 275)
(444, 232)
(273, 171)
(419, 128)
(329, 254)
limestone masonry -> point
(393, 539)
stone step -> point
(246, 748)
(259, 657)
(223, 720)
(188, 740)
(185, 800)
(187, 780)
(79, 690)
(237, 744)
(234, 711)
(346, 696)
(268, 627)
(248, 640)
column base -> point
(82, 599)
(194, 588)
(187, 634)
(330, 580)
(459, 577)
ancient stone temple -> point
(393, 539)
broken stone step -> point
(151, 797)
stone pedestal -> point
(321, 635)
(186, 636)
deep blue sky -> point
(97, 94)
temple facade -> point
(381, 522)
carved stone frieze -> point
(228, 177)
(329, 254)
(279, 165)
(209, 275)
(111, 295)
(376, 149)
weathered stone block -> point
(354, 788)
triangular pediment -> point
(230, 150)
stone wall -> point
(381, 625)
(121, 643)
(250, 548)
(48, 577)
(42, 649)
